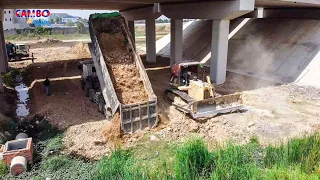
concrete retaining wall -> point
(281, 51)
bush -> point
(57, 162)
(3, 169)
(193, 160)
(10, 77)
(120, 165)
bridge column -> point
(219, 51)
(132, 30)
(151, 40)
(3, 52)
(176, 41)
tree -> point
(80, 27)
(51, 20)
(69, 23)
(58, 20)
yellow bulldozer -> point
(195, 96)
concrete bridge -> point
(219, 12)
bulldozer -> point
(196, 96)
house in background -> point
(64, 17)
(11, 21)
(70, 18)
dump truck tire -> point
(22, 136)
(101, 105)
(91, 95)
(18, 165)
(87, 88)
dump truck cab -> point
(90, 84)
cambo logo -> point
(32, 13)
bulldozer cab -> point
(182, 73)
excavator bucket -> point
(213, 106)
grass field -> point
(295, 159)
(161, 31)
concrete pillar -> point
(176, 41)
(1, 85)
(151, 39)
(219, 51)
(3, 52)
(132, 30)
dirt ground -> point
(272, 112)
(67, 105)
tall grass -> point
(193, 160)
(296, 159)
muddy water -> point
(23, 97)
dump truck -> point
(195, 95)
(91, 85)
(124, 83)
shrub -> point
(57, 162)
(193, 160)
(120, 165)
(10, 77)
(3, 169)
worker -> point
(186, 74)
(47, 86)
(32, 58)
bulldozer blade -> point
(213, 106)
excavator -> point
(195, 96)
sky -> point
(83, 13)
(80, 13)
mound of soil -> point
(81, 50)
(122, 68)
(49, 41)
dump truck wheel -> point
(101, 105)
(91, 95)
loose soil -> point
(273, 112)
(122, 68)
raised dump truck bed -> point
(124, 82)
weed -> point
(3, 169)
(10, 77)
(56, 162)
(120, 165)
(193, 160)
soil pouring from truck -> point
(124, 83)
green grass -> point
(9, 78)
(22, 37)
(152, 160)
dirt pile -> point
(122, 68)
(81, 50)
(112, 130)
(93, 140)
(49, 41)
(86, 141)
